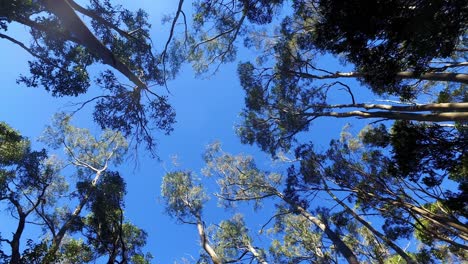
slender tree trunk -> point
(57, 240)
(428, 76)
(436, 76)
(205, 244)
(22, 215)
(436, 117)
(257, 255)
(15, 241)
(334, 237)
(112, 257)
(72, 22)
(436, 219)
(441, 107)
(390, 243)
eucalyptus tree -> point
(381, 44)
(234, 242)
(36, 191)
(184, 200)
(241, 180)
(90, 156)
(64, 47)
(226, 242)
(420, 204)
(407, 175)
(334, 230)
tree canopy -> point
(65, 47)
(408, 52)
(34, 190)
(394, 192)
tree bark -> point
(390, 243)
(205, 244)
(257, 255)
(428, 76)
(15, 241)
(432, 117)
(64, 11)
(441, 107)
(334, 237)
(57, 239)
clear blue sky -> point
(207, 110)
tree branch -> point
(436, 117)
(428, 76)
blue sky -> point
(207, 110)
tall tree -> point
(27, 180)
(64, 47)
(335, 230)
(184, 200)
(287, 87)
(384, 38)
(35, 190)
(241, 180)
(227, 242)
(362, 170)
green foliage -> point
(429, 154)
(382, 38)
(81, 147)
(231, 238)
(217, 25)
(183, 196)
(32, 188)
(287, 89)
(11, 145)
(239, 177)
(76, 251)
(299, 241)
(65, 49)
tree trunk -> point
(441, 107)
(63, 10)
(436, 76)
(436, 117)
(334, 237)
(257, 255)
(50, 256)
(205, 244)
(15, 242)
(438, 220)
(390, 243)
(428, 76)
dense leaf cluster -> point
(33, 189)
(382, 38)
(65, 51)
